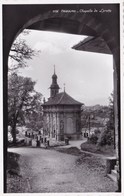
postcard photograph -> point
(61, 89)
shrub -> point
(97, 132)
(93, 138)
(106, 138)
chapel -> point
(61, 114)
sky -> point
(88, 76)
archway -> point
(70, 23)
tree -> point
(110, 123)
(22, 99)
(34, 115)
(20, 52)
(107, 136)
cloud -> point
(88, 76)
(47, 47)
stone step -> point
(114, 173)
(112, 177)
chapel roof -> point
(62, 99)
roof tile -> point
(62, 99)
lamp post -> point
(89, 123)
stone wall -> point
(61, 121)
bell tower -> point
(54, 88)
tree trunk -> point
(15, 117)
(14, 133)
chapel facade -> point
(61, 114)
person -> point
(48, 141)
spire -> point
(54, 88)
(54, 74)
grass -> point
(92, 163)
(13, 172)
(83, 158)
(71, 150)
(12, 161)
(105, 150)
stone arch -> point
(87, 25)
(85, 22)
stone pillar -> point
(115, 95)
(52, 124)
(49, 125)
(116, 121)
(58, 125)
(44, 121)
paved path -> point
(46, 170)
(74, 143)
(77, 143)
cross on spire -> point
(64, 87)
(54, 69)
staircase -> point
(113, 174)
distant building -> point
(61, 114)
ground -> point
(105, 150)
(46, 170)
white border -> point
(1, 105)
(122, 89)
(121, 2)
(59, 1)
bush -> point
(106, 138)
(93, 139)
(97, 132)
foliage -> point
(22, 100)
(98, 116)
(12, 162)
(34, 118)
(105, 150)
(107, 136)
(20, 52)
(97, 132)
(93, 138)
